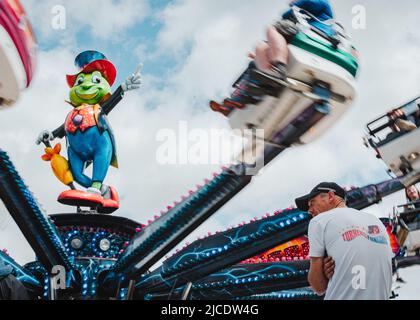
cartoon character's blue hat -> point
(90, 61)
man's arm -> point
(316, 277)
(317, 250)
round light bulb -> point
(105, 244)
(76, 243)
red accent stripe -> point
(11, 24)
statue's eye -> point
(80, 80)
(96, 79)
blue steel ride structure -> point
(110, 257)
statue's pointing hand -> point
(134, 81)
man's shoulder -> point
(323, 218)
(348, 213)
(362, 214)
(338, 213)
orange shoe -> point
(79, 198)
(217, 107)
(111, 201)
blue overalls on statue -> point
(88, 144)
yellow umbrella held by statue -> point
(59, 164)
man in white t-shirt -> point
(350, 251)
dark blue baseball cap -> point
(302, 203)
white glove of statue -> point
(44, 136)
(134, 81)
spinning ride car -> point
(406, 227)
(17, 52)
(398, 148)
(322, 69)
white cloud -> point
(105, 19)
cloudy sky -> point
(192, 51)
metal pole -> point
(130, 290)
(52, 293)
(186, 291)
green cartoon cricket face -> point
(89, 89)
